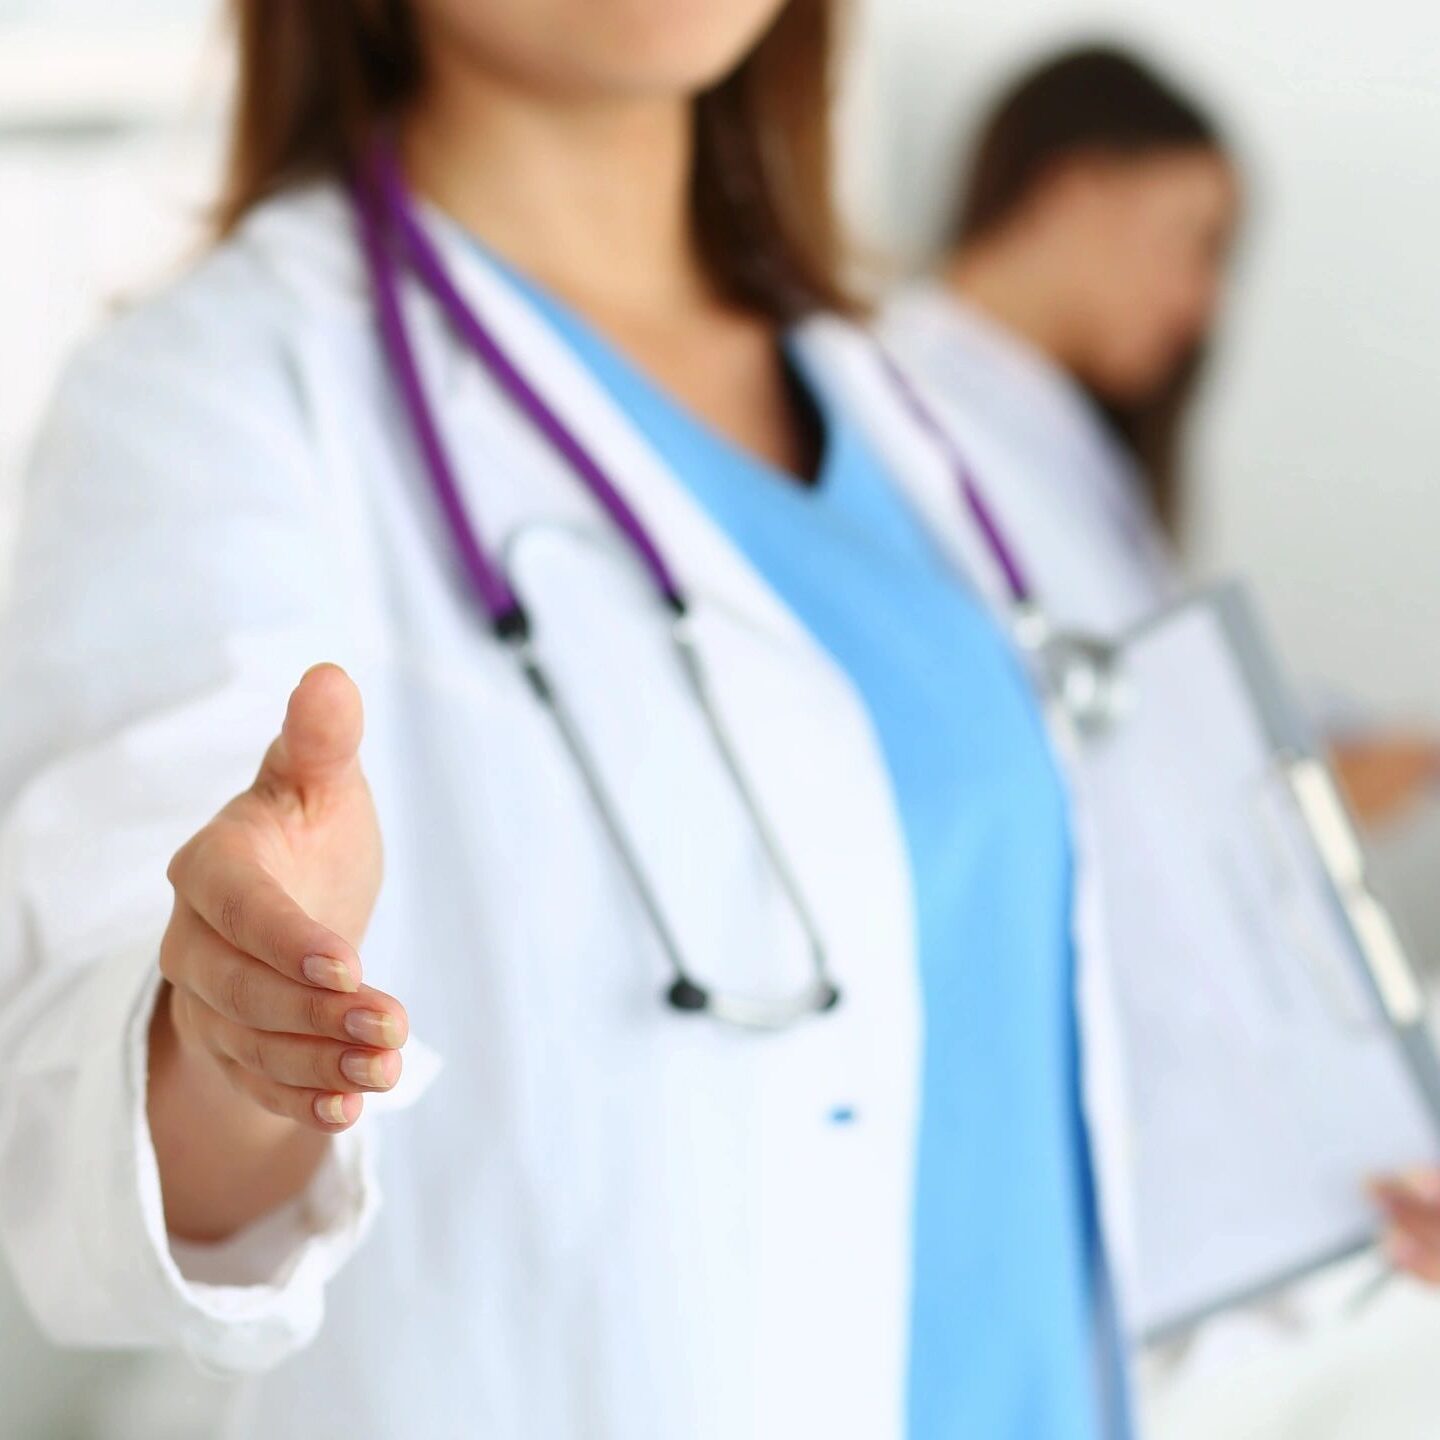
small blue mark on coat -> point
(842, 1115)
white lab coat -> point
(602, 1219)
(1063, 485)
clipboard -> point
(1273, 1031)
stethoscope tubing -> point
(386, 217)
(392, 235)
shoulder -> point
(207, 377)
(292, 262)
(224, 336)
(950, 343)
(202, 392)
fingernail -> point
(327, 971)
(373, 1027)
(366, 1069)
(331, 1109)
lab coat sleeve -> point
(171, 583)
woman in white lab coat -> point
(482, 447)
(1063, 331)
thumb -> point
(320, 739)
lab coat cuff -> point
(100, 1267)
(85, 1230)
(258, 1296)
(255, 1298)
(262, 1290)
(245, 1304)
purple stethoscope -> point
(392, 237)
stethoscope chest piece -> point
(690, 998)
(1082, 675)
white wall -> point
(1318, 450)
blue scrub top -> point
(1003, 1318)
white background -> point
(1316, 453)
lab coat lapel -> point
(537, 488)
(312, 235)
(847, 356)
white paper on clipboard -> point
(1267, 1078)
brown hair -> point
(317, 78)
(1088, 101)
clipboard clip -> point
(1338, 847)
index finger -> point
(243, 903)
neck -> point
(1007, 281)
(590, 197)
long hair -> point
(317, 78)
(1096, 100)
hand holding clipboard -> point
(1274, 1032)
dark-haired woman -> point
(1062, 335)
(727, 863)
(1064, 325)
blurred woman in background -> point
(1063, 333)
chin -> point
(689, 45)
(1125, 391)
(1127, 384)
(621, 48)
